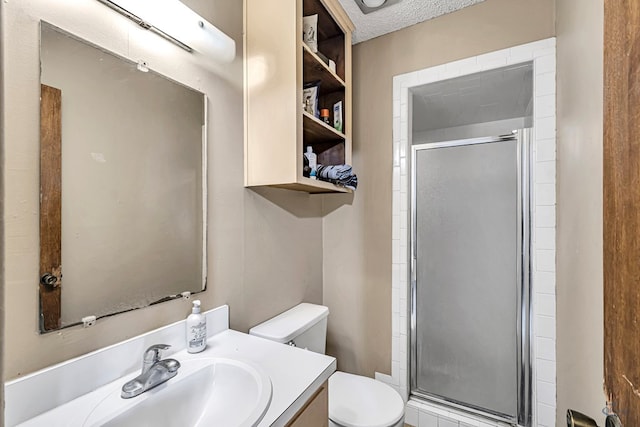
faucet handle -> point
(153, 353)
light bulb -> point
(373, 3)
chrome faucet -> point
(155, 371)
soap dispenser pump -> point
(196, 329)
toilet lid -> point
(356, 401)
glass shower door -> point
(469, 262)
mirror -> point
(123, 169)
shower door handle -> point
(413, 270)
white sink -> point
(206, 392)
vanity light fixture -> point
(368, 6)
(174, 21)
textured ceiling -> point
(397, 16)
(487, 96)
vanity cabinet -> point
(315, 412)
(277, 65)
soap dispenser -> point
(196, 329)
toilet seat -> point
(357, 401)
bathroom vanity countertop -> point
(295, 375)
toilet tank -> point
(304, 326)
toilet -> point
(354, 400)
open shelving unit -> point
(316, 69)
(277, 65)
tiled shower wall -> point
(543, 222)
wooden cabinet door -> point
(315, 413)
(622, 208)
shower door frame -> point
(524, 307)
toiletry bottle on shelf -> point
(313, 162)
(196, 329)
(337, 116)
(324, 115)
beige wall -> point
(265, 247)
(2, 261)
(357, 237)
(579, 212)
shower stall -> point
(470, 276)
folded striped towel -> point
(341, 175)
